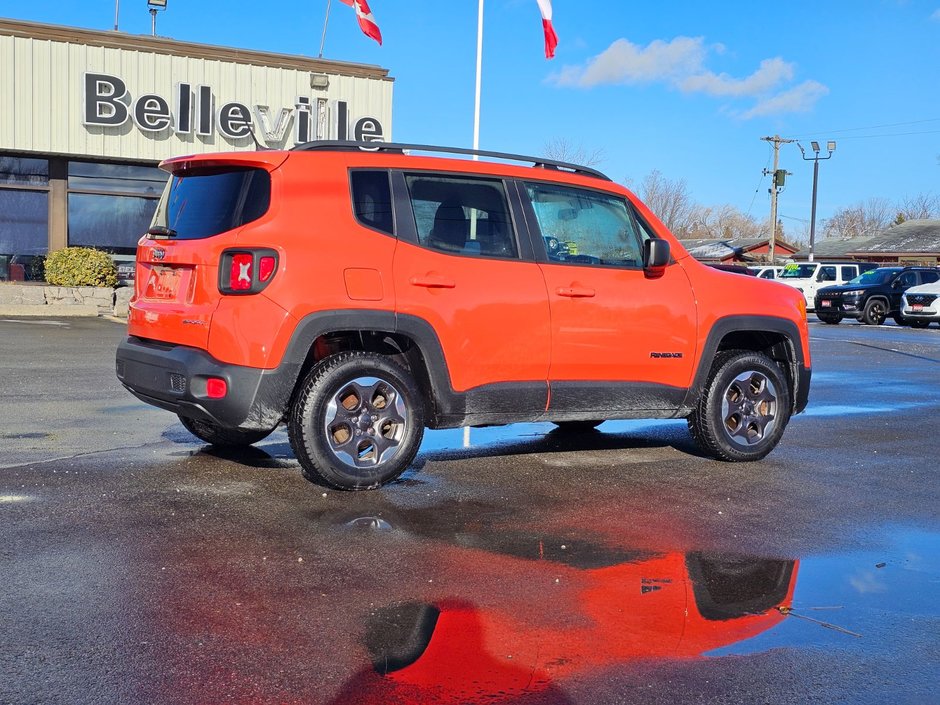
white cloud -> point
(771, 73)
(936, 15)
(625, 62)
(800, 99)
(680, 63)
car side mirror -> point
(656, 256)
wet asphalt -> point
(139, 566)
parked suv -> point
(809, 277)
(920, 305)
(361, 295)
(872, 296)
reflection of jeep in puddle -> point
(609, 608)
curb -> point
(50, 310)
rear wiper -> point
(161, 232)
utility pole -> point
(780, 177)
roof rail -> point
(401, 148)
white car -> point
(920, 305)
(767, 271)
(809, 277)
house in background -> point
(738, 250)
(912, 242)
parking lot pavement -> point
(530, 567)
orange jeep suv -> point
(360, 293)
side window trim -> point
(401, 204)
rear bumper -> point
(173, 377)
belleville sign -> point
(107, 103)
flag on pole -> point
(551, 39)
(366, 19)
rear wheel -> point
(356, 422)
(875, 312)
(577, 426)
(744, 407)
(917, 323)
(830, 318)
(219, 436)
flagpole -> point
(476, 105)
(326, 21)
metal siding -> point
(43, 80)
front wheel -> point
(744, 407)
(831, 319)
(916, 323)
(222, 437)
(356, 422)
(875, 312)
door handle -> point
(432, 281)
(575, 292)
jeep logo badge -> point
(159, 253)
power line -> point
(870, 127)
(893, 134)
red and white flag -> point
(551, 39)
(366, 19)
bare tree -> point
(859, 220)
(725, 222)
(670, 200)
(564, 150)
(921, 206)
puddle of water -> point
(856, 409)
(453, 438)
(873, 593)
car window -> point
(579, 226)
(929, 277)
(907, 280)
(793, 270)
(849, 271)
(372, 199)
(462, 215)
(874, 276)
(826, 274)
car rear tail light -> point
(266, 268)
(216, 388)
(247, 271)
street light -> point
(830, 147)
(154, 5)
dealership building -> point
(86, 116)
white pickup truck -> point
(810, 276)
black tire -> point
(914, 323)
(900, 320)
(744, 407)
(574, 427)
(222, 437)
(356, 421)
(875, 312)
(831, 319)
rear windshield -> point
(203, 203)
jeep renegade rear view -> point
(359, 296)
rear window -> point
(201, 203)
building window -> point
(24, 217)
(18, 171)
(111, 205)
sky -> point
(686, 88)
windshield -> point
(798, 271)
(203, 203)
(874, 276)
